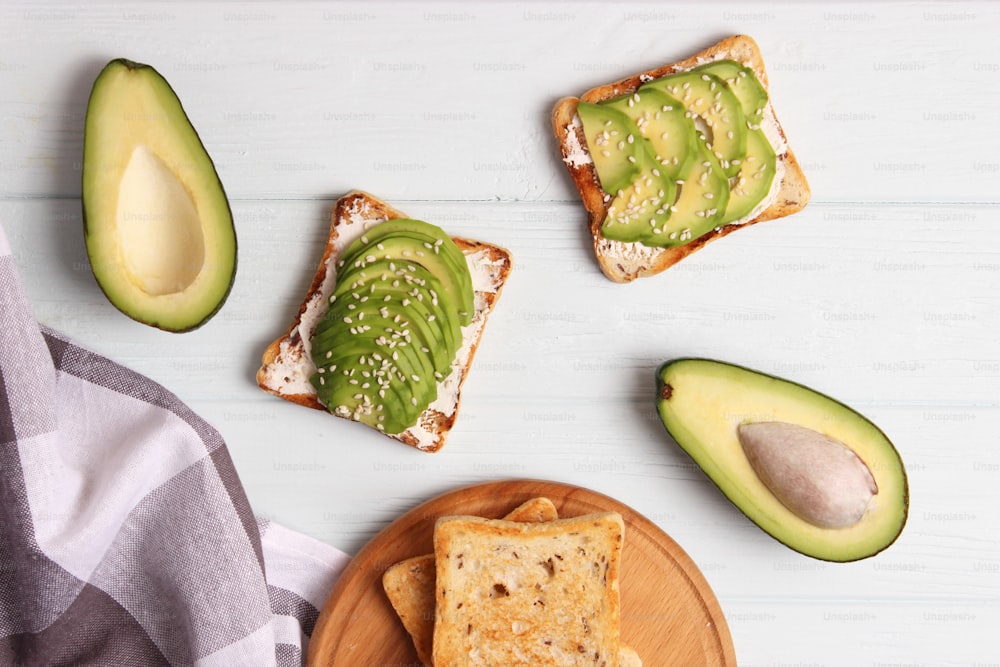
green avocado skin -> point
(110, 95)
(725, 464)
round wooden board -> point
(669, 613)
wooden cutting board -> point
(669, 613)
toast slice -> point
(287, 365)
(538, 594)
(409, 584)
(625, 261)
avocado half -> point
(703, 405)
(158, 228)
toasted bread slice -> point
(538, 594)
(628, 657)
(409, 584)
(624, 262)
(286, 365)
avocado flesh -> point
(383, 410)
(700, 204)
(616, 158)
(157, 224)
(753, 181)
(448, 270)
(702, 403)
(400, 281)
(662, 121)
(396, 308)
(354, 362)
(429, 246)
(744, 84)
(393, 325)
(368, 333)
(640, 211)
(710, 101)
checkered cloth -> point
(125, 535)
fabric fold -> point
(126, 536)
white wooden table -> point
(883, 292)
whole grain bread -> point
(286, 364)
(518, 594)
(409, 584)
(624, 262)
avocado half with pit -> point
(810, 471)
(158, 228)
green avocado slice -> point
(381, 407)
(426, 244)
(429, 322)
(611, 142)
(157, 224)
(714, 107)
(373, 360)
(701, 202)
(399, 280)
(641, 210)
(744, 84)
(706, 404)
(663, 122)
(753, 181)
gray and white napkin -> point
(126, 537)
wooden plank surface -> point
(883, 293)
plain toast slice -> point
(623, 261)
(519, 594)
(409, 584)
(287, 365)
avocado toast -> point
(423, 327)
(670, 159)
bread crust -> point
(286, 363)
(792, 196)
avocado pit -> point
(818, 478)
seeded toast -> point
(539, 594)
(409, 584)
(286, 364)
(624, 262)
